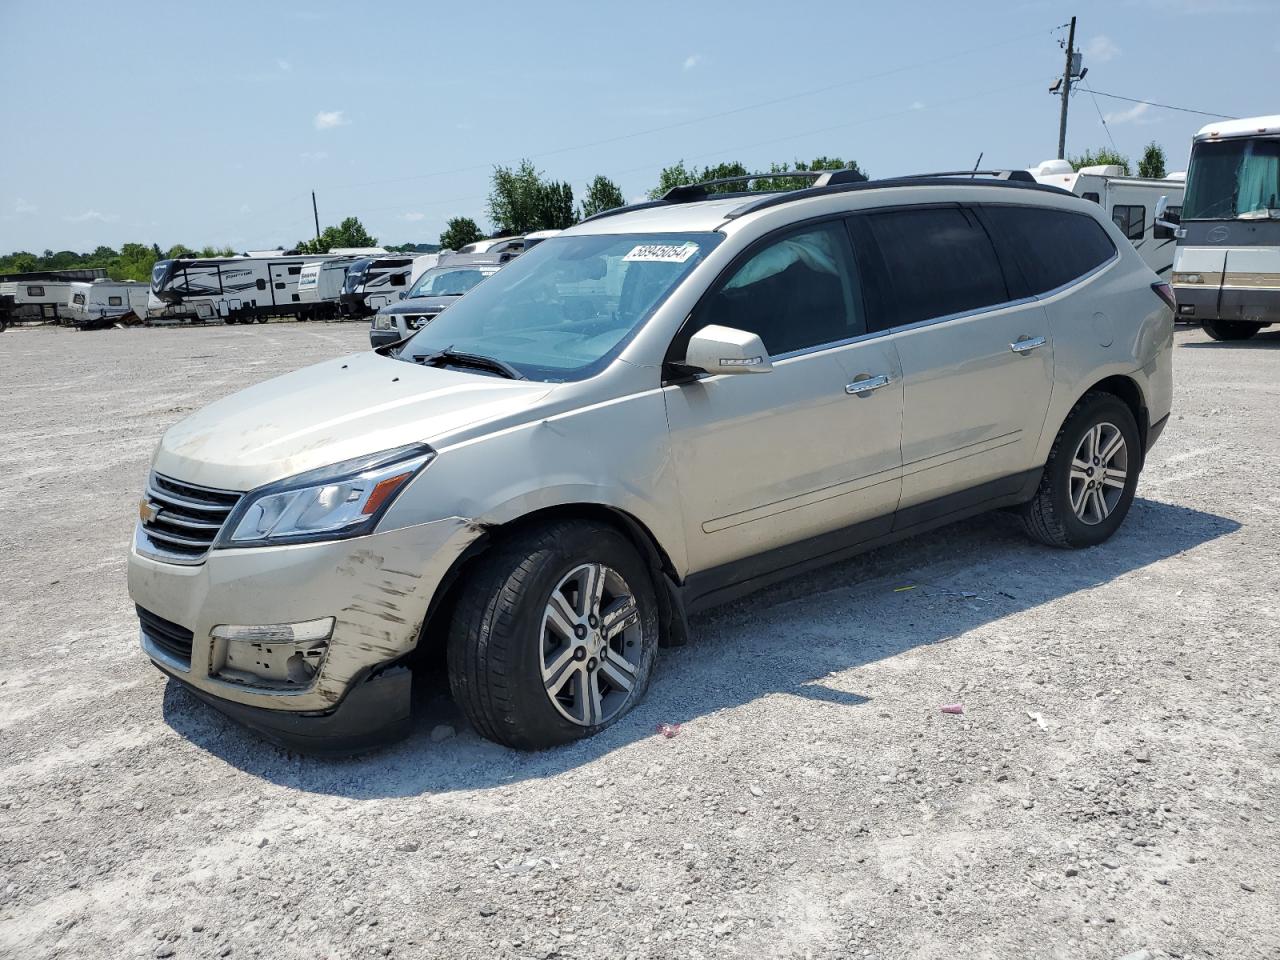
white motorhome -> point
(104, 302)
(1226, 273)
(237, 289)
(376, 282)
(1129, 201)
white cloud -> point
(917, 105)
(1100, 49)
(244, 208)
(23, 207)
(284, 65)
(92, 215)
(413, 216)
(1134, 114)
(328, 119)
(692, 60)
(316, 155)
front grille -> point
(417, 321)
(169, 637)
(185, 519)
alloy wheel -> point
(590, 645)
(1099, 471)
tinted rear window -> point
(1053, 247)
(938, 261)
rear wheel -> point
(1230, 329)
(554, 636)
(1090, 478)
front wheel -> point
(1230, 329)
(554, 637)
(1090, 478)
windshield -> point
(355, 275)
(1230, 179)
(563, 310)
(445, 282)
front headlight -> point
(382, 321)
(332, 503)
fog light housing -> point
(277, 656)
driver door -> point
(767, 460)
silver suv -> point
(662, 408)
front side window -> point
(1051, 247)
(938, 261)
(443, 282)
(114, 302)
(1092, 197)
(1132, 220)
(78, 298)
(1232, 179)
(35, 291)
(565, 309)
(796, 292)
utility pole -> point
(1066, 90)
(316, 210)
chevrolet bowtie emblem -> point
(147, 511)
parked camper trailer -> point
(1130, 201)
(102, 303)
(376, 282)
(235, 289)
(34, 300)
(1226, 273)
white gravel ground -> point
(1110, 789)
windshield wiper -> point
(453, 358)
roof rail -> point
(690, 192)
(1024, 175)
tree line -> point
(522, 199)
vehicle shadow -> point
(841, 617)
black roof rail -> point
(687, 193)
(1023, 175)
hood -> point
(331, 412)
(420, 305)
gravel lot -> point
(1110, 789)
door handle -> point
(1027, 344)
(864, 385)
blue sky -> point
(211, 122)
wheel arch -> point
(666, 579)
(1128, 390)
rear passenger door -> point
(977, 361)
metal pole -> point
(315, 211)
(1066, 91)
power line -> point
(1162, 106)
(1101, 117)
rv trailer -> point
(376, 282)
(1130, 201)
(1226, 273)
(238, 289)
(102, 303)
(34, 300)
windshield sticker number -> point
(661, 253)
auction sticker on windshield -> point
(662, 252)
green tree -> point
(349, 233)
(676, 175)
(458, 232)
(602, 194)
(1152, 162)
(521, 201)
(1100, 157)
(722, 170)
(179, 250)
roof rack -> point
(687, 193)
(824, 182)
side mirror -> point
(724, 350)
(1162, 210)
(403, 294)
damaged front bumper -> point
(344, 692)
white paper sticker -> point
(661, 252)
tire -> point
(506, 633)
(1066, 511)
(1230, 329)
